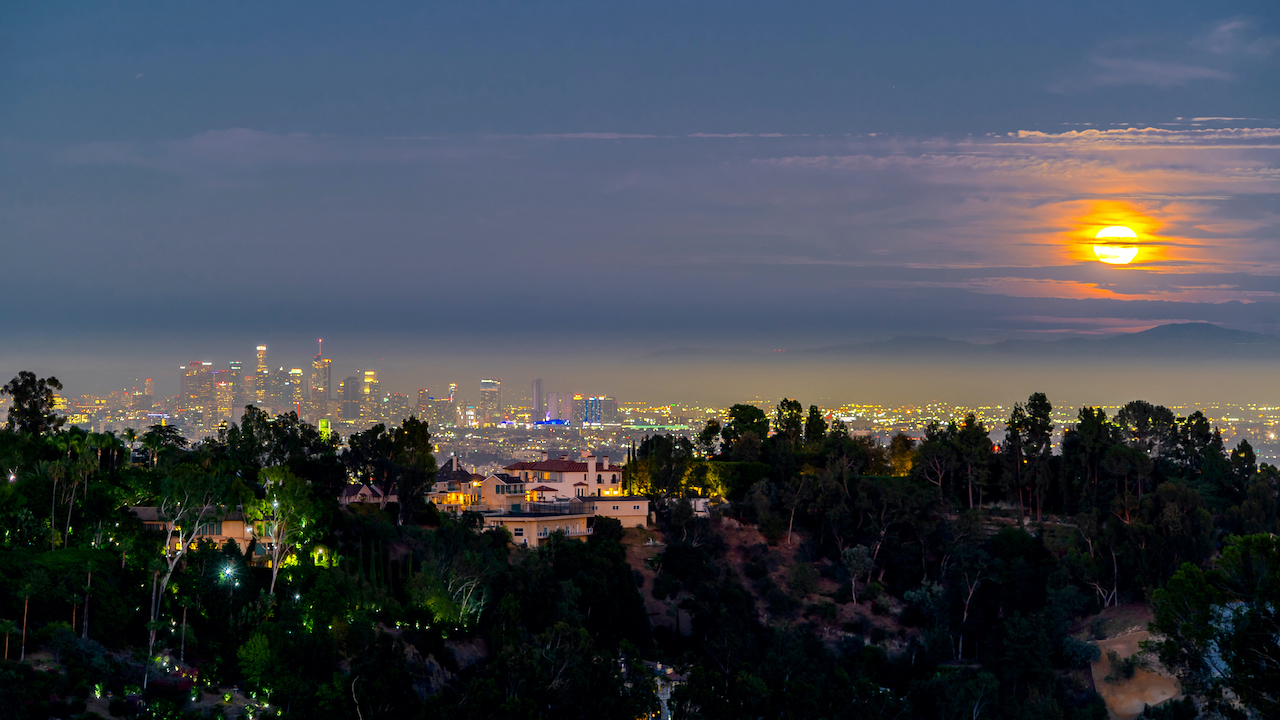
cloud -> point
(1217, 54)
(1132, 71)
(1238, 37)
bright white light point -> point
(1116, 254)
(1116, 231)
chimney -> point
(605, 462)
(591, 463)
(544, 456)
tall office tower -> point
(146, 398)
(239, 399)
(277, 394)
(196, 393)
(397, 408)
(370, 394)
(423, 410)
(321, 383)
(351, 394)
(579, 409)
(224, 397)
(539, 402)
(553, 406)
(293, 394)
(261, 377)
(489, 409)
(593, 410)
(453, 392)
(608, 410)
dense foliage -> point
(948, 577)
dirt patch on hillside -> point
(642, 545)
(1126, 699)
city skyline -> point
(709, 190)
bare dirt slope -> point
(1126, 698)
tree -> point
(815, 426)
(857, 562)
(189, 498)
(415, 465)
(745, 419)
(973, 452)
(936, 457)
(8, 627)
(285, 512)
(901, 451)
(789, 420)
(32, 410)
(708, 438)
(1220, 630)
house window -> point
(515, 507)
(614, 478)
(518, 532)
(635, 507)
(599, 479)
(615, 507)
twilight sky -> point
(427, 184)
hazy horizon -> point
(642, 200)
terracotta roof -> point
(562, 466)
(579, 484)
(544, 488)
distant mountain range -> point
(1196, 340)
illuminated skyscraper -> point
(489, 409)
(370, 392)
(293, 392)
(261, 378)
(321, 384)
(239, 396)
(224, 393)
(196, 393)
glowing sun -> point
(1113, 253)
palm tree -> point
(82, 467)
(131, 437)
(25, 591)
(8, 627)
(53, 470)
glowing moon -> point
(1116, 254)
(1116, 231)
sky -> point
(584, 191)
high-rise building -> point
(321, 383)
(579, 411)
(145, 398)
(370, 394)
(597, 410)
(293, 389)
(351, 394)
(195, 395)
(239, 396)
(489, 409)
(224, 394)
(396, 408)
(539, 401)
(261, 378)
(423, 408)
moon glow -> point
(1113, 253)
